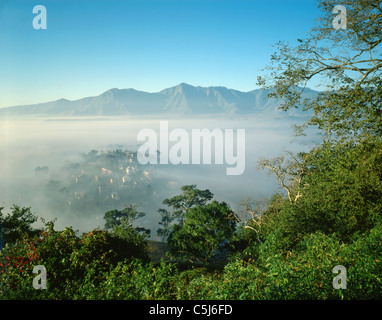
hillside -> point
(182, 99)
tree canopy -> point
(284, 247)
(346, 62)
(205, 233)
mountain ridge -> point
(183, 99)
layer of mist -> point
(77, 169)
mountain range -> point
(183, 99)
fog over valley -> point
(75, 169)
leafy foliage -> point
(67, 259)
(180, 204)
(14, 224)
(205, 233)
(282, 248)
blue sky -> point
(90, 46)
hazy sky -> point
(90, 46)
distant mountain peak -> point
(62, 100)
(183, 84)
(180, 99)
(111, 91)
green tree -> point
(128, 216)
(258, 219)
(190, 197)
(13, 225)
(347, 62)
(165, 223)
(335, 188)
(343, 191)
(129, 242)
(205, 234)
(71, 261)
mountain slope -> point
(181, 99)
